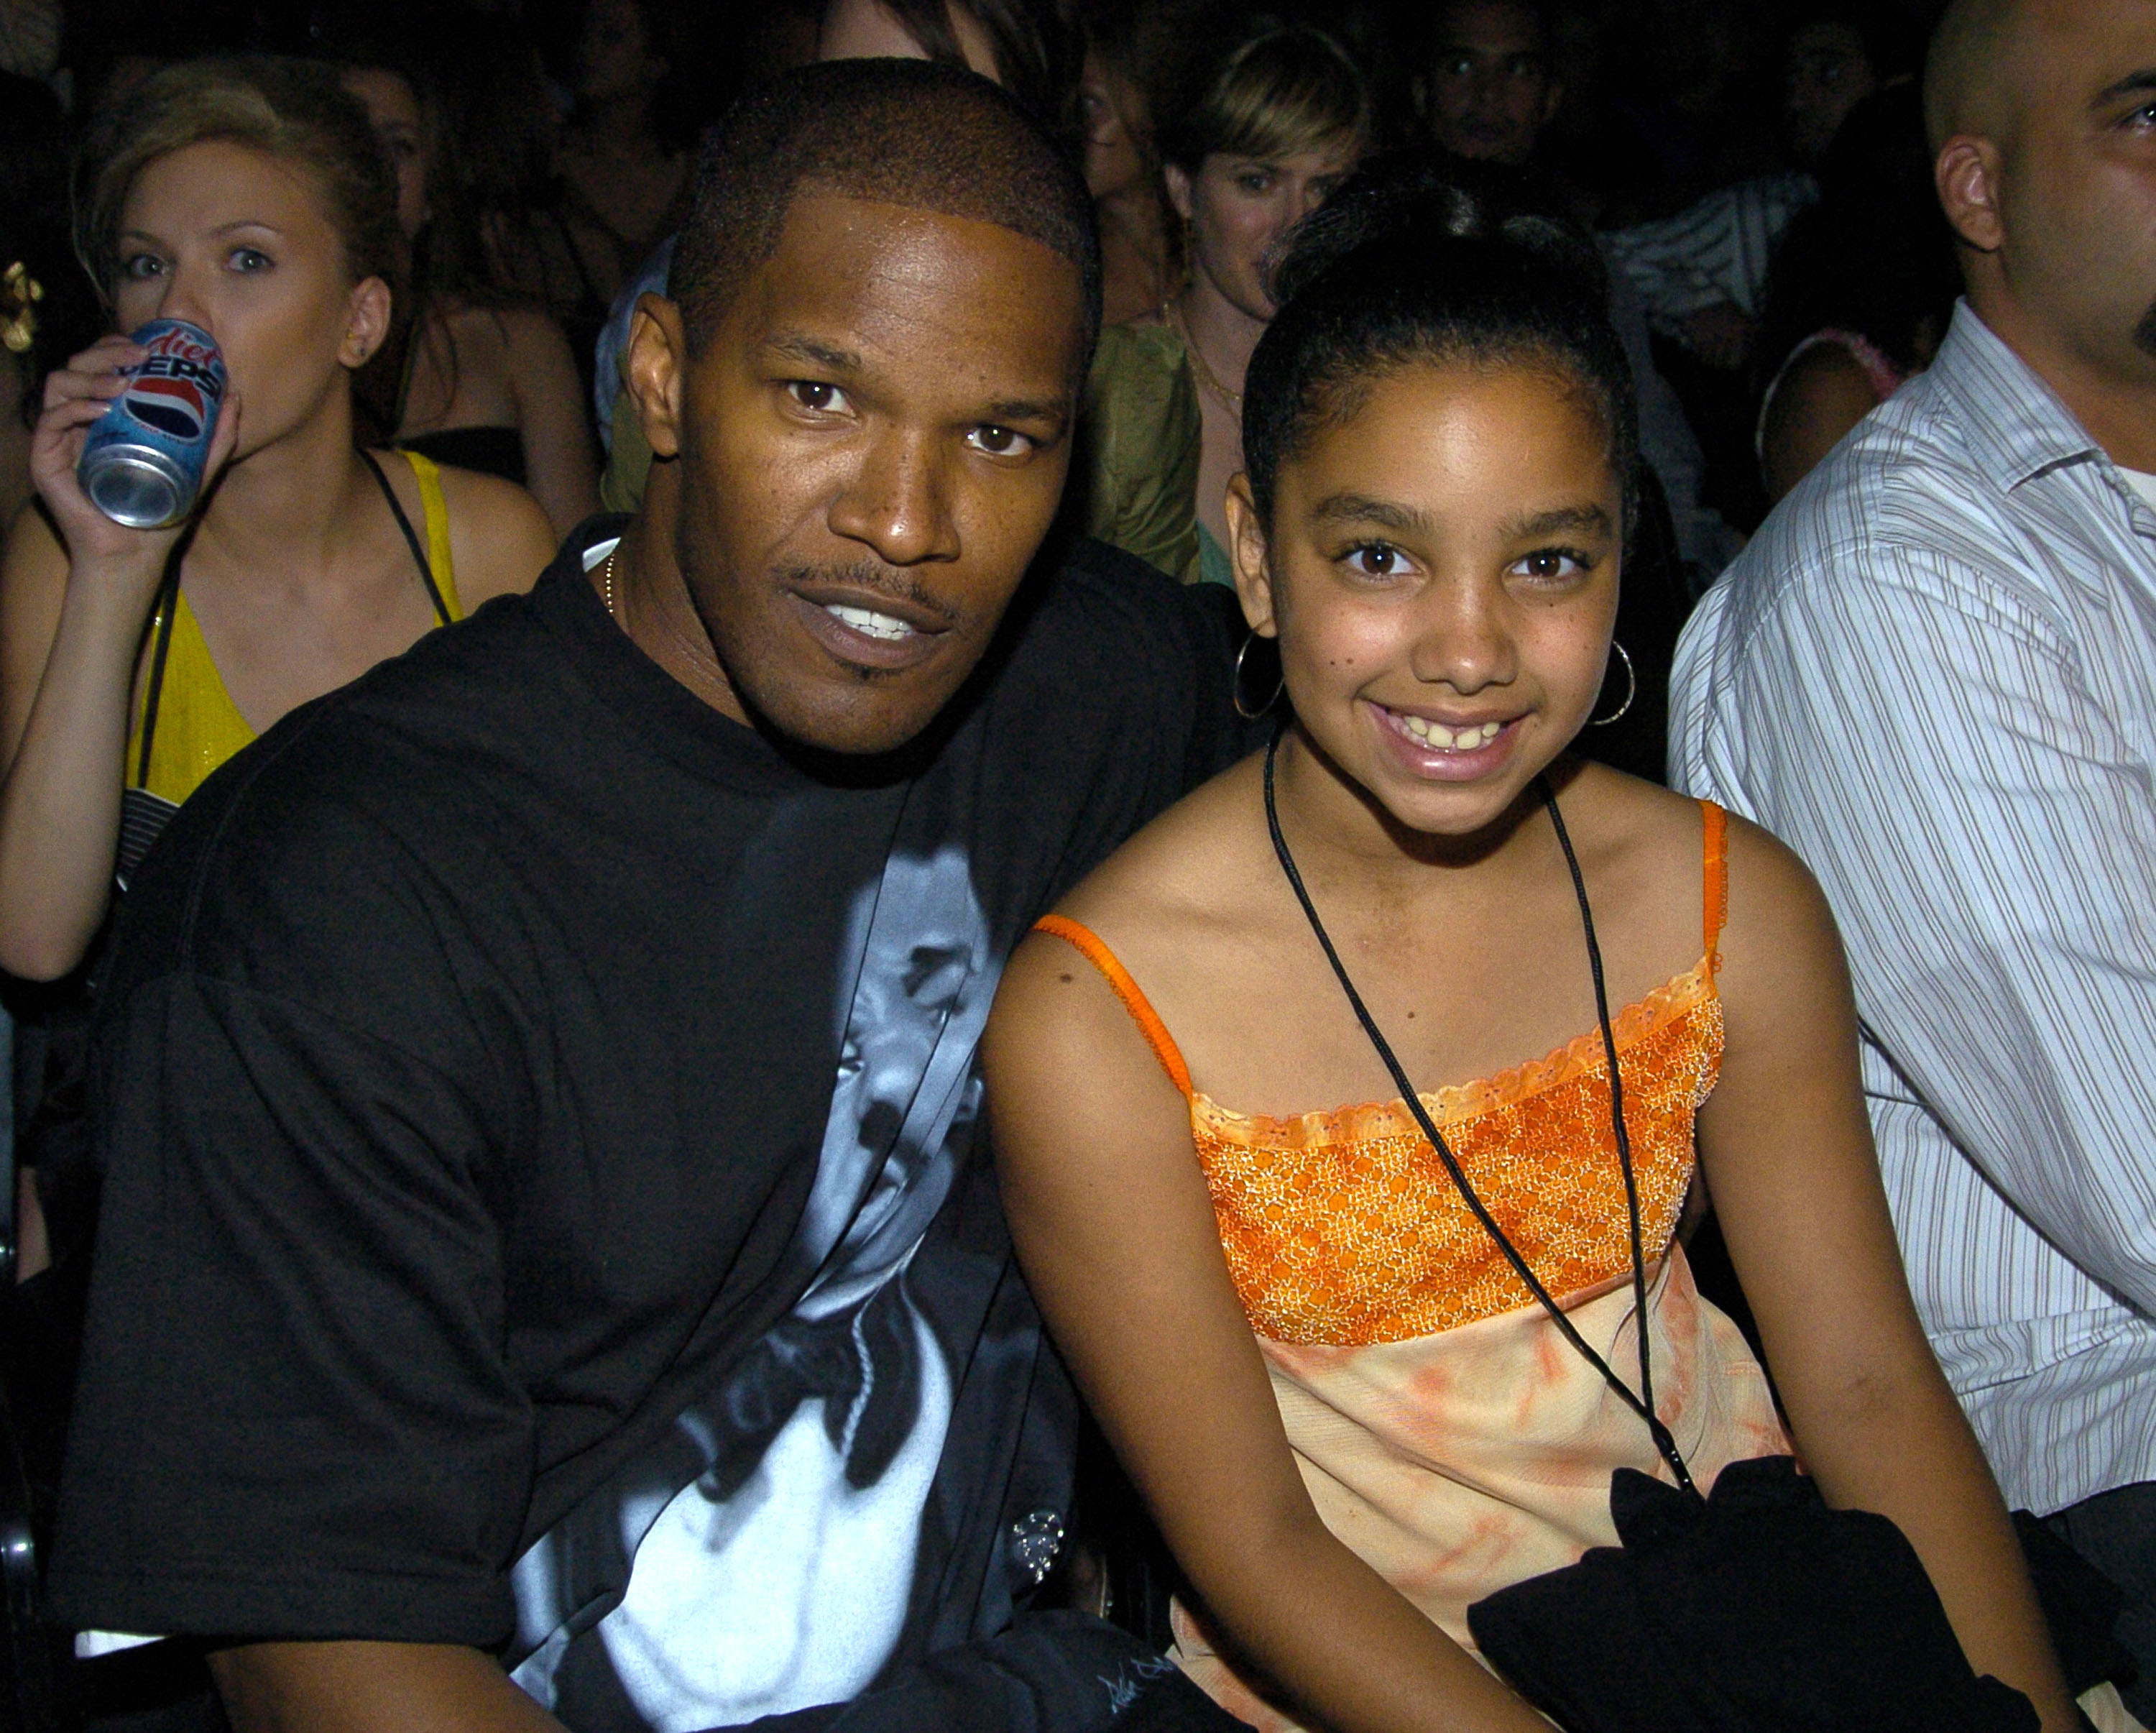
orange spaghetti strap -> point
(1715, 914)
(1149, 1021)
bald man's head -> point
(2043, 116)
(1969, 85)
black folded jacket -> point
(1758, 1610)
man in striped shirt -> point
(1933, 672)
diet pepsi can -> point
(143, 463)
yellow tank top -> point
(197, 727)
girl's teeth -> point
(868, 621)
(1471, 740)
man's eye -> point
(814, 394)
(1375, 559)
(2144, 118)
(1257, 180)
(999, 441)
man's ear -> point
(1968, 174)
(1178, 189)
(655, 369)
(367, 322)
(1247, 548)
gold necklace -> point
(1173, 318)
(606, 579)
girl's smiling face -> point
(1441, 572)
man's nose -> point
(898, 503)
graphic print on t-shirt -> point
(768, 1540)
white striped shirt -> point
(1933, 674)
(1716, 250)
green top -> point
(1133, 472)
(1214, 565)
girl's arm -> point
(561, 464)
(72, 614)
(1116, 1231)
(1787, 1147)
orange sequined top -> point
(1344, 1228)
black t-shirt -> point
(536, 1115)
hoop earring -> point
(1236, 687)
(1631, 690)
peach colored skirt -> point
(1457, 1464)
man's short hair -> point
(1540, 15)
(908, 132)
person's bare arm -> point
(561, 463)
(15, 403)
(72, 614)
(1824, 393)
(500, 540)
(1787, 1147)
(371, 1688)
(1116, 1231)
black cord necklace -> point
(1642, 1402)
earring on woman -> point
(1236, 688)
(1631, 690)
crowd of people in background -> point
(1637, 516)
(543, 154)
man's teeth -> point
(868, 621)
(1446, 739)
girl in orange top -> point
(1350, 1419)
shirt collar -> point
(2016, 426)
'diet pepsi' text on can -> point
(144, 461)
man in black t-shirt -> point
(544, 1238)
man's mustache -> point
(868, 575)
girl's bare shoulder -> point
(1779, 915)
(1635, 832)
(1650, 843)
(1189, 871)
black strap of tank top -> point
(168, 609)
(411, 539)
(1643, 1402)
(161, 648)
